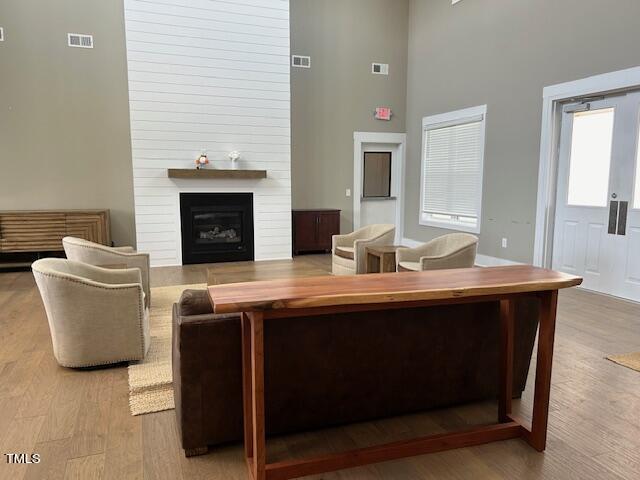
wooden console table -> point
(269, 300)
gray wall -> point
(338, 94)
(64, 112)
(503, 53)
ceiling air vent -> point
(380, 68)
(80, 41)
(300, 61)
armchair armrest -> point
(125, 249)
(406, 254)
(96, 315)
(101, 255)
(464, 257)
(107, 319)
(106, 276)
(342, 241)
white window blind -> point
(452, 169)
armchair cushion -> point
(345, 252)
(409, 266)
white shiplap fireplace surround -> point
(209, 76)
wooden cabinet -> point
(313, 229)
(42, 231)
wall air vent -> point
(300, 61)
(1, 34)
(79, 40)
(380, 68)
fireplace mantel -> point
(203, 173)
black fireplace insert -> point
(216, 227)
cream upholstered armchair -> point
(96, 315)
(80, 250)
(349, 251)
(456, 250)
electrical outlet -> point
(348, 192)
(504, 243)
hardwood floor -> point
(79, 421)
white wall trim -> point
(551, 98)
(398, 169)
(481, 260)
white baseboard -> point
(271, 259)
(487, 261)
(481, 260)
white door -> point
(627, 240)
(597, 225)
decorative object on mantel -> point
(215, 173)
(234, 157)
(201, 161)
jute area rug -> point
(629, 360)
(151, 380)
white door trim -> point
(551, 98)
(397, 173)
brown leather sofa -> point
(339, 368)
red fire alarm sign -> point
(383, 113)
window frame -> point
(457, 117)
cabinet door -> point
(305, 231)
(91, 226)
(32, 231)
(328, 226)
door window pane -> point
(377, 174)
(590, 158)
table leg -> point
(373, 263)
(257, 397)
(506, 360)
(546, 333)
(388, 263)
(247, 394)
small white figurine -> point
(234, 156)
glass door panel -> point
(590, 159)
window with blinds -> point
(452, 163)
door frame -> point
(399, 140)
(552, 98)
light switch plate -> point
(348, 192)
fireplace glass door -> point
(216, 227)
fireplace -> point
(216, 227)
